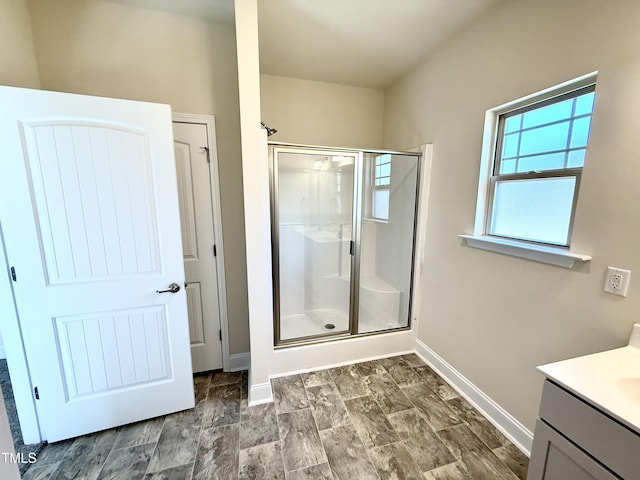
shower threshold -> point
(329, 321)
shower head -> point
(270, 131)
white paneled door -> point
(193, 163)
(92, 226)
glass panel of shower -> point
(313, 209)
(387, 228)
(343, 232)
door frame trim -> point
(214, 168)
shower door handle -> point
(352, 247)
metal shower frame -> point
(356, 222)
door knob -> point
(173, 288)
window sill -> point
(538, 253)
(374, 220)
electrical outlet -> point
(617, 281)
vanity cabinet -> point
(555, 458)
(576, 441)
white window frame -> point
(371, 188)
(382, 187)
(555, 255)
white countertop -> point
(609, 380)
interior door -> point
(90, 213)
(198, 243)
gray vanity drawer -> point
(613, 444)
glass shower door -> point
(386, 241)
(313, 205)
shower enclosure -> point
(343, 235)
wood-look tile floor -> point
(385, 419)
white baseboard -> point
(3, 354)
(260, 393)
(239, 361)
(498, 416)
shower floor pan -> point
(318, 322)
(313, 322)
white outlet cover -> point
(620, 287)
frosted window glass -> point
(537, 210)
(545, 139)
(381, 204)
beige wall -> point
(319, 113)
(101, 48)
(18, 67)
(494, 317)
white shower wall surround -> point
(343, 241)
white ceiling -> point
(367, 43)
(215, 10)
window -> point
(540, 152)
(381, 185)
(533, 153)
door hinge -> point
(215, 252)
(220, 334)
(352, 247)
(13, 274)
(37, 394)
